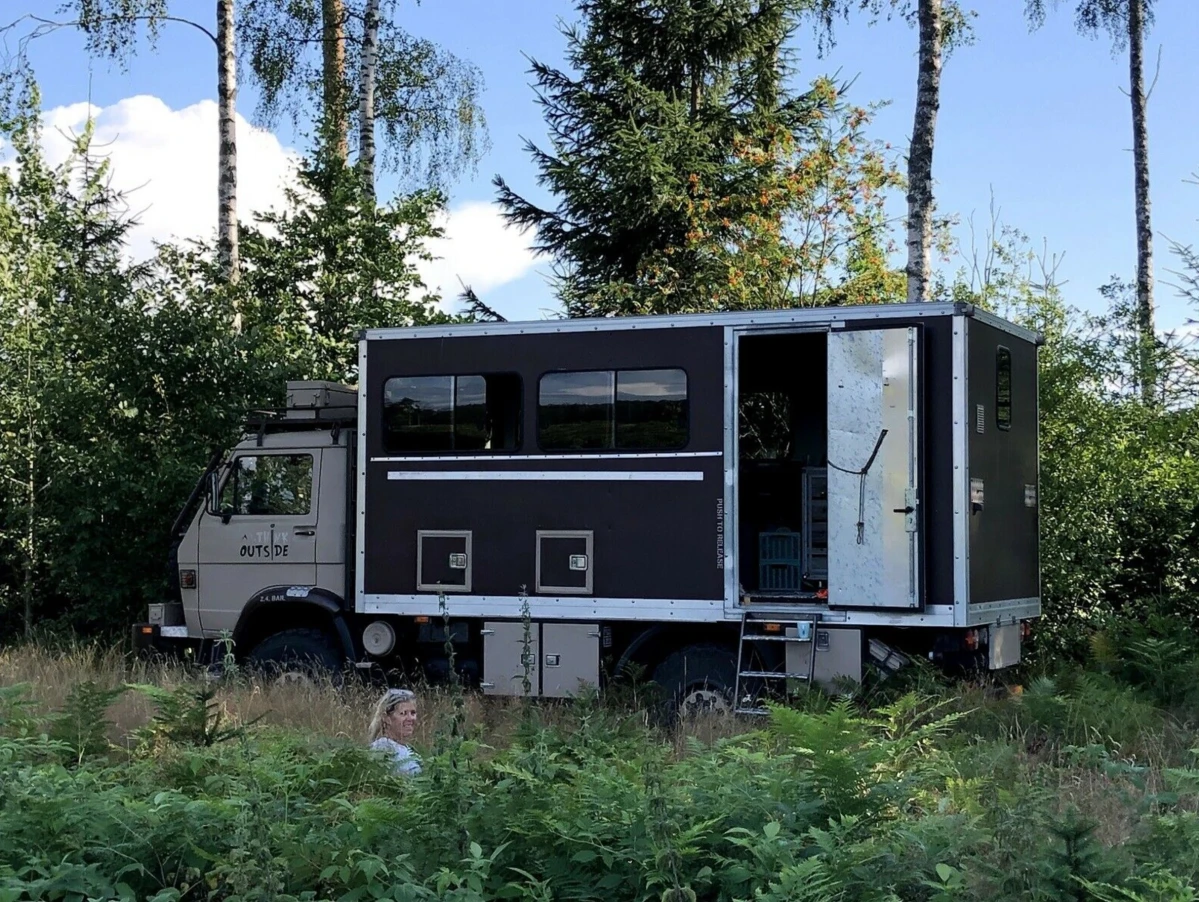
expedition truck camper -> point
(738, 503)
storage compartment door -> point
(444, 560)
(873, 422)
(504, 661)
(569, 658)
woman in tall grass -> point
(391, 729)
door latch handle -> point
(904, 510)
(305, 532)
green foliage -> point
(1094, 16)
(82, 724)
(956, 27)
(427, 99)
(331, 264)
(1076, 858)
(897, 803)
(688, 176)
(118, 380)
(188, 715)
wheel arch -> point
(277, 608)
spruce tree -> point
(687, 174)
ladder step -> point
(773, 674)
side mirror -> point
(214, 488)
(214, 497)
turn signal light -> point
(187, 579)
(972, 639)
(773, 627)
(147, 631)
(421, 619)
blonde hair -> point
(391, 700)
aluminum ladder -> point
(757, 628)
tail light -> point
(187, 579)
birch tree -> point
(111, 28)
(227, 237)
(1126, 22)
(942, 25)
(366, 96)
(920, 154)
(424, 99)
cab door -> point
(264, 535)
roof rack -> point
(310, 405)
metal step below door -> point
(758, 628)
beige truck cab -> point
(265, 541)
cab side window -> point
(269, 485)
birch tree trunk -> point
(1140, 155)
(227, 238)
(333, 44)
(920, 156)
(31, 490)
(366, 98)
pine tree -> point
(688, 176)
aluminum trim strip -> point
(546, 475)
(802, 315)
(360, 499)
(961, 475)
(544, 607)
(508, 458)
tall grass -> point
(313, 707)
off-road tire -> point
(698, 679)
(308, 652)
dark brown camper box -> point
(740, 503)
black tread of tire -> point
(284, 647)
(676, 672)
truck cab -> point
(264, 539)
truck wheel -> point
(296, 655)
(698, 679)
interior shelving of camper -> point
(782, 466)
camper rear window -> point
(623, 410)
(452, 413)
(1003, 388)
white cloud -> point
(165, 161)
(478, 250)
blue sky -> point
(1038, 119)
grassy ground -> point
(1081, 787)
(314, 708)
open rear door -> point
(873, 468)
